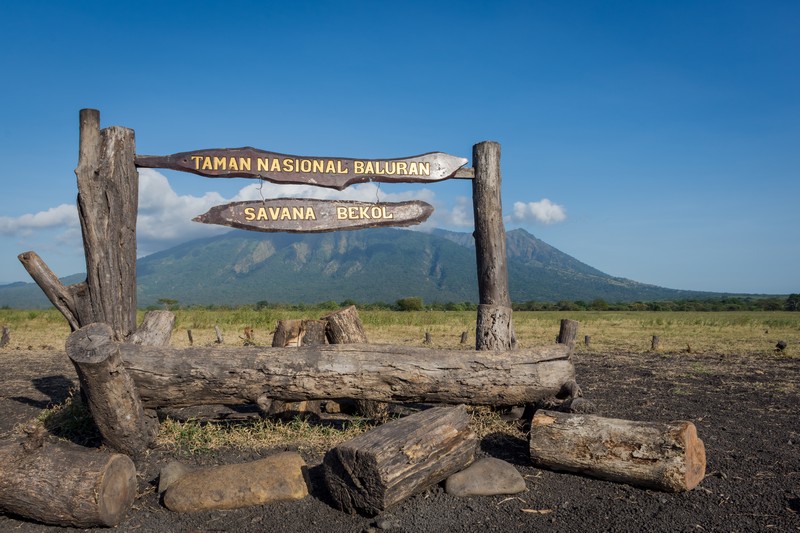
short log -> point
(279, 477)
(568, 331)
(64, 484)
(294, 333)
(155, 329)
(661, 456)
(378, 469)
(171, 377)
(6, 337)
(111, 395)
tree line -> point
(417, 303)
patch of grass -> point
(70, 420)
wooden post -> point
(464, 337)
(428, 338)
(654, 342)
(191, 339)
(218, 331)
(586, 340)
(495, 329)
(6, 338)
(112, 396)
(108, 198)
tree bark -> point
(490, 252)
(378, 469)
(168, 377)
(111, 393)
(108, 194)
(65, 484)
(155, 329)
(667, 457)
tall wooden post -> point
(108, 194)
(495, 329)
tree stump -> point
(155, 329)
(111, 394)
(667, 457)
(568, 331)
(60, 483)
(654, 343)
(344, 327)
(378, 469)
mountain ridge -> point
(375, 265)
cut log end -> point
(116, 490)
(694, 459)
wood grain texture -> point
(661, 456)
(380, 468)
(219, 375)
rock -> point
(486, 477)
(170, 474)
(279, 477)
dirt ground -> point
(746, 409)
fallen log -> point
(60, 483)
(660, 456)
(169, 377)
(371, 472)
(110, 392)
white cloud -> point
(543, 212)
(62, 216)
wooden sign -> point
(334, 172)
(307, 215)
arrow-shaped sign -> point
(334, 172)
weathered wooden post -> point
(494, 329)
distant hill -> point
(377, 265)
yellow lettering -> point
(318, 165)
(305, 165)
(274, 212)
(425, 168)
(244, 163)
(310, 214)
(298, 213)
(339, 168)
(285, 215)
(341, 213)
(369, 168)
(358, 167)
(362, 212)
(197, 159)
(232, 164)
(288, 165)
(376, 212)
(207, 164)
(330, 168)
(249, 213)
(262, 164)
(352, 213)
(220, 163)
(402, 167)
(385, 214)
(262, 214)
(276, 165)
(412, 168)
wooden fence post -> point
(495, 329)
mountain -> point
(376, 265)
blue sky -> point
(656, 141)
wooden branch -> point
(71, 300)
(112, 397)
(64, 484)
(218, 375)
(380, 468)
(652, 455)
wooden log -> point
(110, 391)
(490, 251)
(654, 343)
(191, 339)
(344, 327)
(660, 456)
(374, 471)
(155, 329)
(464, 337)
(170, 377)
(568, 331)
(56, 482)
(108, 194)
(428, 338)
(6, 337)
(587, 340)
